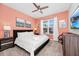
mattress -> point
(39, 41)
(31, 44)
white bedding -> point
(30, 42)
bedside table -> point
(6, 43)
(36, 33)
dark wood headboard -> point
(15, 33)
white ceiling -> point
(27, 8)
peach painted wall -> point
(8, 17)
(37, 23)
(60, 16)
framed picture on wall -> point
(62, 24)
(28, 24)
(20, 22)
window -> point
(47, 26)
(51, 22)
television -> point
(75, 19)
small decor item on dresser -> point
(6, 31)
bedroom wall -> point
(73, 7)
(8, 17)
(60, 16)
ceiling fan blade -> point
(41, 12)
(36, 5)
(43, 7)
(35, 10)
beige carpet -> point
(51, 49)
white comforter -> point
(31, 43)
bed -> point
(28, 41)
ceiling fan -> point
(39, 8)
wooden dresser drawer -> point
(6, 46)
(6, 43)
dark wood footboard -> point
(39, 48)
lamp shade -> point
(7, 28)
(35, 28)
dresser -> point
(6, 43)
(70, 44)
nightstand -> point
(36, 33)
(6, 43)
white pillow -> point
(25, 35)
(21, 34)
(29, 35)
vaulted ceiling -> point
(27, 8)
